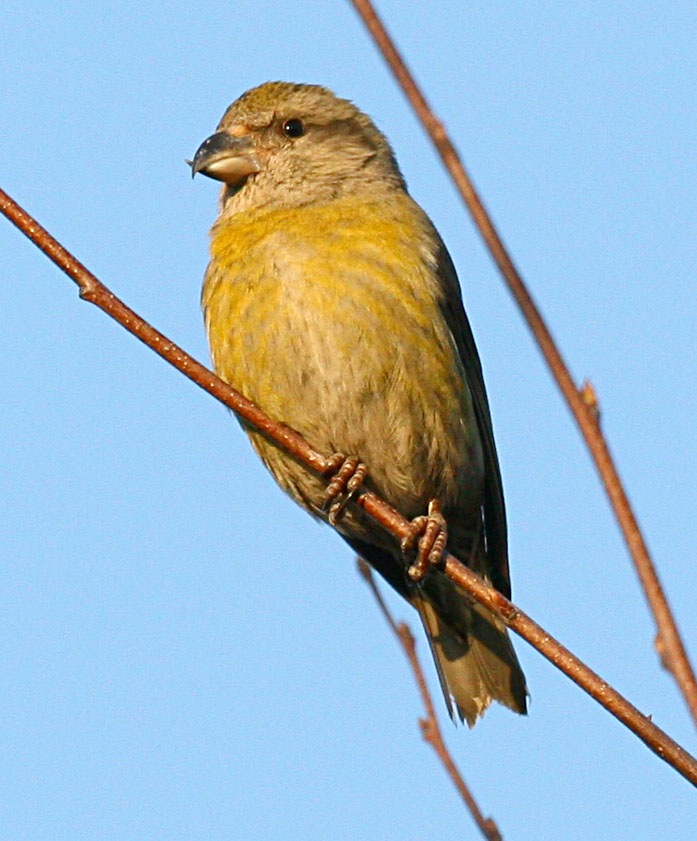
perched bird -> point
(331, 302)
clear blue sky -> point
(185, 655)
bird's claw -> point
(431, 532)
(347, 474)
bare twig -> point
(668, 642)
(94, 291)
(430, 729)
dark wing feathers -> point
(494, 508)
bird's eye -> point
(293, 128)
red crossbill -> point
(331, 302)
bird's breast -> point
(329, 319)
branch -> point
(94, 291)
(668, 642)
(429, 725)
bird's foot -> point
(347, 474)
(431, 532)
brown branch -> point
(430, 729)
(668, 642)
(94, 291)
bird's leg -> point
(431, 531)
(347, 474)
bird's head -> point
(288, 144)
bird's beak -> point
(226, 158)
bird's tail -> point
(477, 664)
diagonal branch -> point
(668, 641)
(391, 520)
(429, 726)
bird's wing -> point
(494, 508)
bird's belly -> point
(355, 364)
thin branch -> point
(94, 291)
(430, 729)
(668, 642)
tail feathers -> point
(476, 666)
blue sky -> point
(184, 653)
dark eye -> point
(293, 128)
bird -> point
(331, 302)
